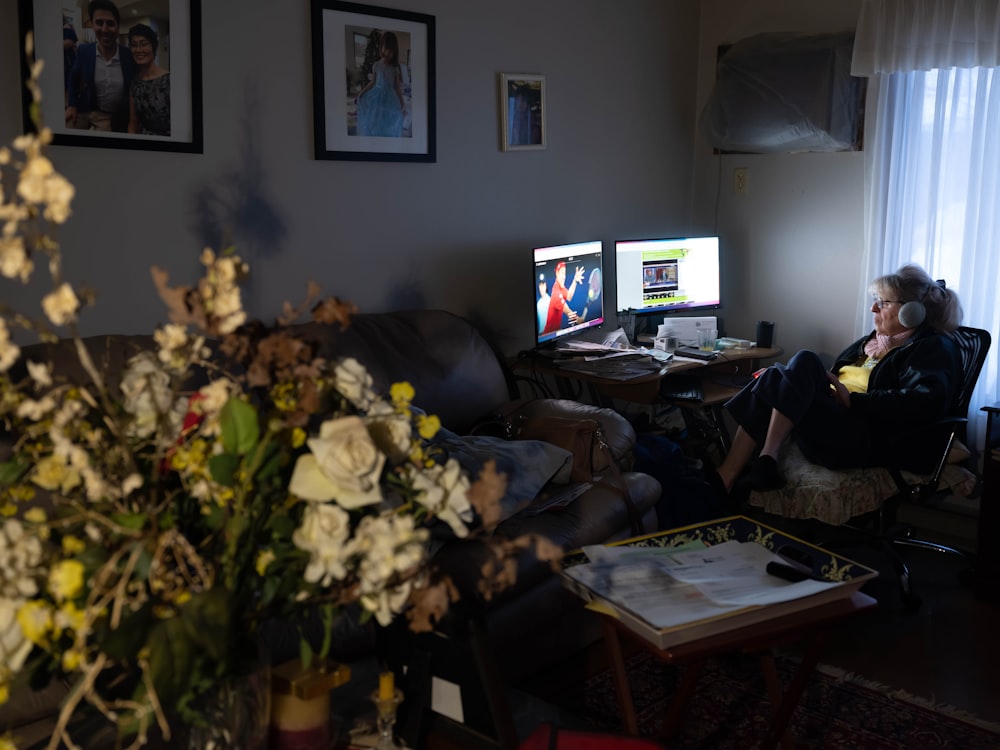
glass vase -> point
(236, 714)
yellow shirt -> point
(855, 377)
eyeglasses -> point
(140, 44)
(881, 303)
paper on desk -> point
(613, 340)
(736, 573)
(667, 587)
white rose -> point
(443, 490)
(391, 431)
(322, 534)
(148, 397)
(388, 602)
(353, 382)
(344, 465)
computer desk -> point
(721, 378)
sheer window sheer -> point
(932, 153)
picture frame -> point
(357, 111)
(168, 116)
(522, 112)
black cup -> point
(765, 334)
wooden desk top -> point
(646, 388)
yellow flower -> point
(35, 619)
(36, 515)
(52, 473)
(285, 396)
(72, 545)
(70, 617)
(264, 559)
(298, 437)
(401, 393)
(8, 509)
(66, 579)
(71, 660)
(6, 743)
(428, 425)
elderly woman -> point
(149, 95)
(864, 410)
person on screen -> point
(381, 103)
(560, 296)
(100, 79)
(149, 97)
(542, 306)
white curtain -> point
(932, 154)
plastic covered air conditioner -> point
(784, 93)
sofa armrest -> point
(617, 430)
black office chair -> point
(867, 500)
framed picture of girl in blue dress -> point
(117, 73)
(522, 112)
(373, 83)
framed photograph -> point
(128, 77)
(522, 112)
(373, 83)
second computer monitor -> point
(665, 275)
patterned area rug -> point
(837, 711)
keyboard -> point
(682, 388)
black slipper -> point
(764, 475)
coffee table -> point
(812, 627)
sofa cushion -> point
(455, 372)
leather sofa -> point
(459, 376)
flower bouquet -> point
(152, 518)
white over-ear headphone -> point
(912, 314)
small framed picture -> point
(373, 83)
(117, 74)
(522, 112)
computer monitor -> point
(668, 275)
(569, 290)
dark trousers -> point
(827, 432)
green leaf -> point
(130, 636)
(171, 659)
(305, 653)
(240, 428)
(223, 468)
(130, 520)
(12, 471)
(206, 619)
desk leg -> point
(783, 713)
(622, 690)
(774, 692)
(685, 689)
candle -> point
(386, 688)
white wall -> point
(793, 243)
(455, 234)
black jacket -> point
(908, 390)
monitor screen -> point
(569, 290)
(667, 275)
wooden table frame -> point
(811, 626)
